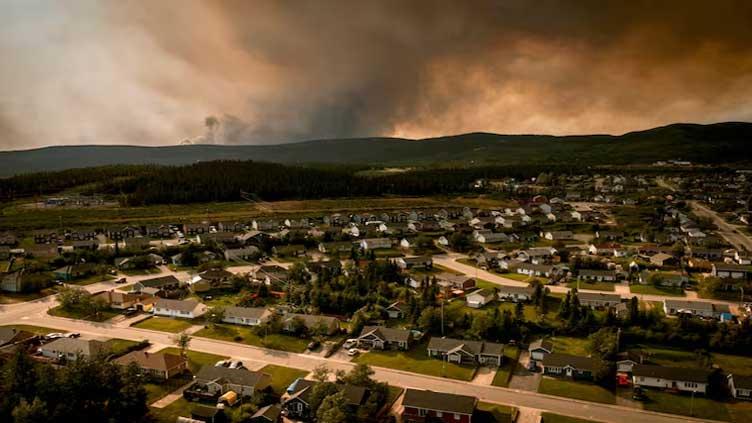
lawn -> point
(416, 360)
(196, 360)
(700, 407)
(577, 390)
(155, 391)
(656, 290)
(221, 297)
(558, 418)
(595, 286)
(170, 414)
(494, 413)
(13, 298)
(118, 346)
(164, 324)
(741, 412)
(282, 376)
(37, 330)
(245, 335)
(511, 354)
(92, 279)
(569, 345)
(667, 356)
(103, 315)
(516, 276)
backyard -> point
(245, 335)
(282, 376)
(196, 360)
(416, 360)
(511, 354)
(578, 390)
(656, 290)
(164, 324)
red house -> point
(420, 406)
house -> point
(479, 298)
(685, 379)
(217, 277)
(490, 237)
(85, 244)
(740, 386)
(455, 282)
(118, 300)
(328, 325)
(383, 338)
(732, 271)
(515, 293)
(559, 236)
(597, 275)
(538, 255)
(8, 239)
(158, 231)
(598, 299)
(609, 235)
(242, 254)
(396, 310)
(74, 271)
(248, 316)
(138, 243)
(695, 308)
(220, 380)
(421, 405)
(463, 351)
(157, 365)
(11, 336)
(663, 259)
(192, 229)
(540, 348)
(335, 247)
(187, 309)
(157, 286)
(535, 269)
(12, 282)
(576, 367)
(296, 403)
(374, 243)
(422, 262)
(269, 274)
(668, 279)
(268, 414)
(71, 348)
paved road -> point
(726, 230)
(450, 262)
(34, 313)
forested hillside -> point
(716, 143)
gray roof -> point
(242, 377)
(180, 305)
(439, 401)
(544, 344)
(311, 320)
(688, 374)
(689, 305)
(387, 334)
(509, 289)
(160, 281)
(270, 412)
(86, 347)
(247, 312)
(472, 347)
(563, 360)
(742, 381)
(596, 272)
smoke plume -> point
(272, 71)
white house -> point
(515, 293)
(71, 348)
(479, 298)
(740, 386)
(674, 378)
(375, 243)
(187, 309)
(248, 316)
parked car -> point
(121, 280)
(222, 363)
(532, 365)
(236, 364)
(313, 345)
(73, 335)
(54, 335)
(638, 394)
(353, 352)
(208, 297)
(130, 311)
(349, 343)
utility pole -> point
(442, 317)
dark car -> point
(532, 365)
(130, 311)
(121, 280)
(313, 345)
(638, 394)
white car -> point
(352, 352)
(236, 364)
(54, 335)
(222, 363)
(349, 343)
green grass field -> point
(164, 324)
(417, 361)
(656, 290)
(103, 315)
(37, 330)
(570, 345)
(595, 286)
(494, 413)
(247, 336)
(504, 373)
(700, 407)
(577, 390)
(118, 346)
(282, 376)
(558, 418)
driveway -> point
(484, 376)
(522, 378)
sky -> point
(260, 72)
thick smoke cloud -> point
(145, 72)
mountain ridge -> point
(726, 142)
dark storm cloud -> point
(278, 71)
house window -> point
(456, 416)
(439, 414)
(422, 412)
